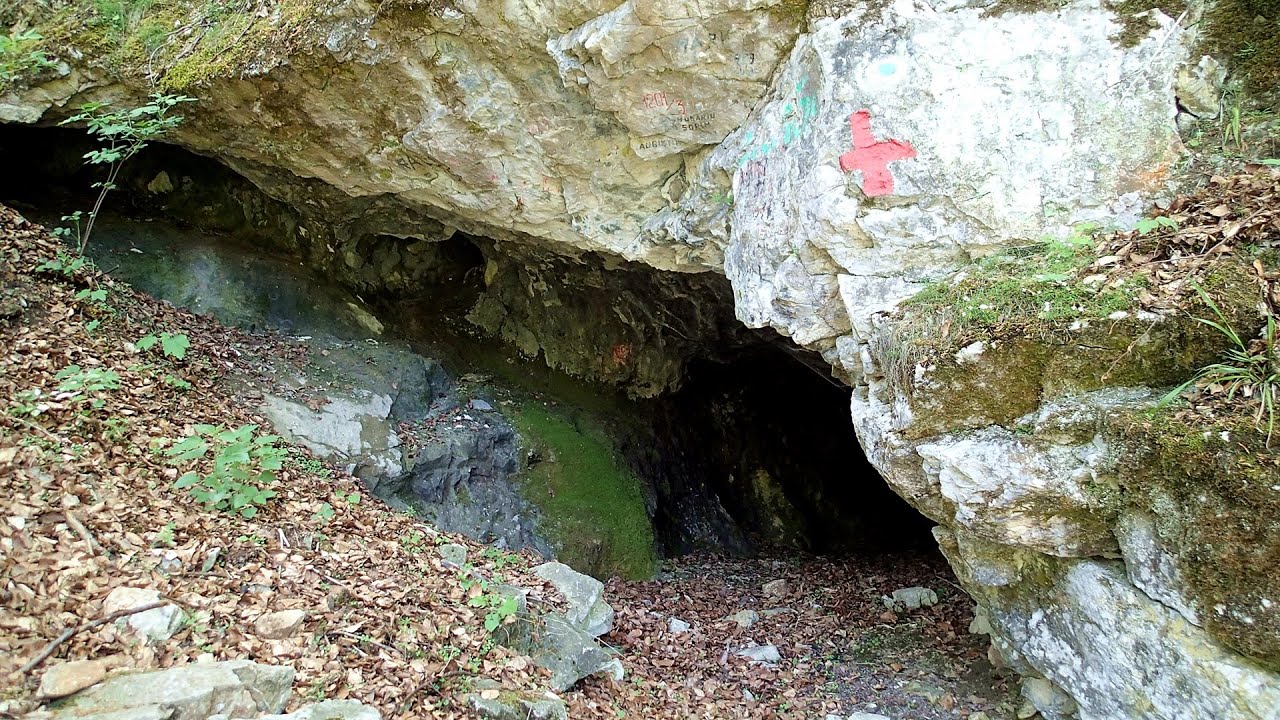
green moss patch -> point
(1247, 33)
(1034, 291)
(1215, 490)
(593, 507)
(177, 45)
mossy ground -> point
(174, 45)
(593, 506)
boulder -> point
(235, 688)
(587, 609)
(156, 624)
(329, 710)
(1084, 627)
(570, 653)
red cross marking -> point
(872, 157)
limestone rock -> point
(495, 703)
(235, 688)
(69, 678)
(675, 626)
(1084, 627)
(814, 254)
(156, 624)
(355, 432)
(329, 710)
(776, 589)
(914, 598)
(279, 625)
(760, 654)
(1048, 699)
(571, 654)
(1150, 567)
(745, 618)
(587, 609)
(453, 554)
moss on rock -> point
(593, 507)
(1215, 489)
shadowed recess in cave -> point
(738, 439)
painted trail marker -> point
(872, 157)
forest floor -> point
(89, 423)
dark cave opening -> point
(749, 445)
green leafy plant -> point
(173, 345)
(1146, 225)
(165, 536)
(176, 383)
(64, 264)
(122, 134)
(1250, 370)
(325, 513)
(78, 382)
(96, 297)
(500, 606)
(243, 464)
(500, 558)
(20, 54)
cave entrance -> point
(769, 435)
(748, 446)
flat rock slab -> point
(71, 677)
(235, 688)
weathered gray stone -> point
(69, 678)
(587, 609)
(1048, 699)
(355, 432)
(1084, 627)
(453, 554)
(571, 654)
(760, 654)
(745, 618)
(514, 706)
(330, 710)
(776, 589)
(675, 626)
(156, 624)
(279, 625)
(1150, 567)
(237, 688)
(914, 598)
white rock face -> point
(1116, 651)
(897, 144)
(344, 430)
